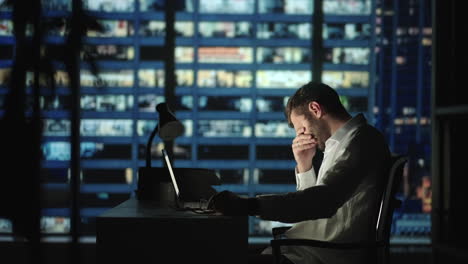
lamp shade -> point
(169, 127)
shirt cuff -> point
(306, 179)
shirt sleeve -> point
(359, 159)
(306, 179)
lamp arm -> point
(148, 146)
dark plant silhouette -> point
(21, 126)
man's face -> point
(308, 124)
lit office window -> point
(106, 127)
(227, 6)
(339, 55)
(56, 127)
(296, 7)
(4, 7)
(224, 78)
(155, 78)
(151, 78)
(184, 54)
(55, 224)
(225, 55)
(61, 78)
(274, 129)
(110, 5)
(347, 7)
(113, 28)
(145, 127)
(184, 29)
(184, 77)
(107, 103)
(148, 102)
(112, 78)
(347, 31)
(6, 27)
(60, 151)
(284, 30)
(282, 79)
(151, 28)
(224, 128)
(108, 52)
(346, 79)
(4, 76)
(283, 55)
(155, 28)
(226, 29)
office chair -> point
(379, 247)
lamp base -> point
(154, 185)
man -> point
(339, 203)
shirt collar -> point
(354, 122)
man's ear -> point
(316, 109)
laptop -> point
(199, 206)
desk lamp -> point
(168, 128)
(152, 185)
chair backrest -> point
(389, 201)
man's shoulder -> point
(368, 130)
(368, 135)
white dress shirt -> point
(339, 204)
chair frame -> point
(380, 246)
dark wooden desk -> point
(144, 232)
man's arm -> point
(340, 182)
(309, 178)
(319, 201)
(306, 179)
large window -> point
(236, 64)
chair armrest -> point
(277, 231)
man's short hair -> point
(321, 93)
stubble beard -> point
(320, 130)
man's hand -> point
(229, 203)
(304, 147)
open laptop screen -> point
(171, 172)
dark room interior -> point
(116, 116)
